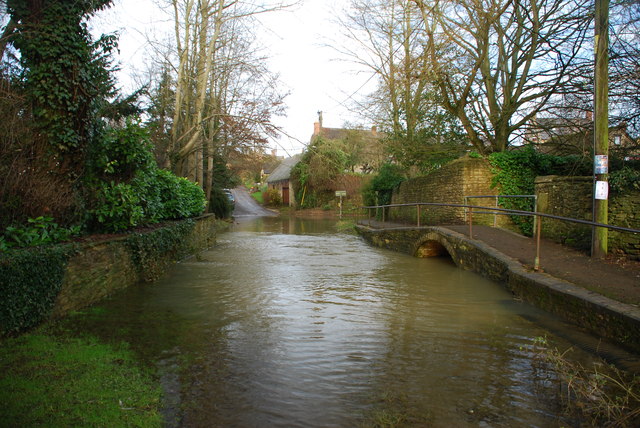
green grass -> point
(346, 226)
(52, 381)
(258, 197)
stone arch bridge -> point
(615, 321)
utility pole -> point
(599, 242)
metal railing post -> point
(536, 263)
(535, 210)
(495, 215)
(471, 222)
(383, 214)
(418, 209)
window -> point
(616, 140)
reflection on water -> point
(285, 323)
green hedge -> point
(128, 188)
(30, 281)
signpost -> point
(341, 194)
(601, 130)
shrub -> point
(152, 196)
(219, 203)
(38, 231)
(625, 179)
(388, 178)
(30, 280)
(272, 197)
(123, 152)
(117, 207)
(180, 197)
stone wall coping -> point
(561, 178)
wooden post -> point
(599, 243)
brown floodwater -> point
(287, 323)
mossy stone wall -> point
(565, 197)
(624, 211)
(100, 269)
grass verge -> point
(50, 380)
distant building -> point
(366, 141)
(280, 179)
(564, 136)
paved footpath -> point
(616, 280)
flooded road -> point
(286, 323)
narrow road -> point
(246, 206)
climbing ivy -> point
(149, 249)
(30, 280)
(388, 178)
(515, 173)
(65, 74)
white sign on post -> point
(602, 190)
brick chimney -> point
(589, 115)
(316, 128)
(374, 130)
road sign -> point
(341, 193)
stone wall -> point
(624, 211)
(565, 197)
(572, 197)
(449, 184)
(99, 269)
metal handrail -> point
(506, 212)
(496, 197)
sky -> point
(297, 43)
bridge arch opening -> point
(431, 248)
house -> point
(269, 165)
(279, 179)
(564, 136)
(366, 142)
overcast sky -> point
(296, 41)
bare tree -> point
(498, 62)
(625, 64)
(223, 94)
(385, 38)
(388, 39)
